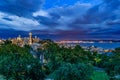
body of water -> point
(102, 45)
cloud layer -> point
(78, 19)
(20, 7)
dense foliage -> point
(68, 71)
(113, 65)
(59, 63)
(17, 63)
(67, 63)
(110, 63)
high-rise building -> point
(30, 38)
(19, 38)
(26, 40)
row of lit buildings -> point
(26, 40)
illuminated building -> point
(25, 41)
(30, 38)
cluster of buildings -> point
(26, 40)
(34, 43)
(97, 49)
(22, 41)
(84, 41)
(87, 48)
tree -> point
(111, 63)
(67, 63)
(70, 71)
(7, 42)
(17, 63)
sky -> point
(61, 19)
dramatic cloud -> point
(41, 13)
(95, 20)
(63, 19)
(18, 23)
(20, 7)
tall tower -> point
(30, 38)
(19, 37)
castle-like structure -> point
(26, 40)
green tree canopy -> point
(70, 71)
(17, 63)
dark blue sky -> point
(61, 19)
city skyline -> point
(61, 19)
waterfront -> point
(105, 45)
